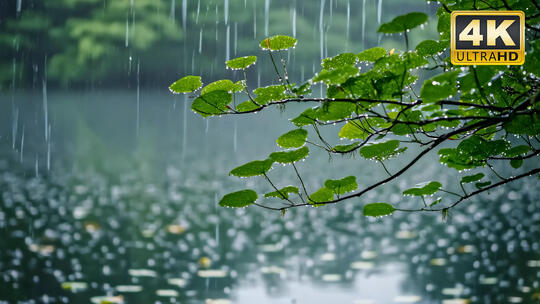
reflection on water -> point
(79, 234)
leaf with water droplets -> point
(403, 23)
(283, 193)
(239, 199)
(337, 75)
(517, 151)
(345, 148)
(341, 186)
(516, 163)
(378, 209)
(353, 130)
(382, 150)
(213, 103)
(428, 189)
(278, 42)
(186, 84)
(223, 85)
(339, 61)
(322, 195)
(288, 157)
(429, 47)
(253, 168)
(241, 63)
(439, 87)
(472, 178)
(305, 118)
(482, 185)
(269, 93)
(293, 139)
(372, 54)
(246, 106)
(528, 124)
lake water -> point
(118, 206)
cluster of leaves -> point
(489, 113)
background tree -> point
(477, 118)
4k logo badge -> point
(487, 37)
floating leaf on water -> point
(488, 280)
(438, 262)
(272, 270)
(217, 301)
(292, 139)
(177, 282)
(176, 229)
(278, 42)
(362, 265)
(239, 199)
(331, 277)
(171, 293)
(186, 84)
(329, 256)
(107, 299)
(241, 63)
(128, 288)
(142, 273)
(271, 247)
(212, 273)
(205, 262)
(41, 249)
(456, 301)
(368, 254)
(407, 299)
(74, 286)
(405, 234)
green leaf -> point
(472, 178)
(345, 148)
(334, 110)
(339, 61)
(213, 103)
(372, 55)
(223, 85)
(341, 186)
(322, 195)
(241, 63)
(403, 23)
(293, 139)
(283, 192)
(516, 163)
(239, 199)
(305, 118)
(524, 124)
(290, 156)
(246, 106)
(352, 130)
(477, 148)
(186, 84)
(439, 87)
(517, 151)
(253, 168)
(482, 185)
(382, 150)
(269, 93)
(278, 42)
(428, 189)
(378, 209)
(429, 48)
(337, 75)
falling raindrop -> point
(266, 16)
(127, 31)
(184, 14)
(198, 11)
(200, 41)
(348, 18)
(173, 9)
(235, 37)
(138, 96)
(228, 42)
(363, 23)
(321, 27)
(22, 145)
(19, 5)
(294, 21)
(45, 109)
(235, 136)
(226, 11)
